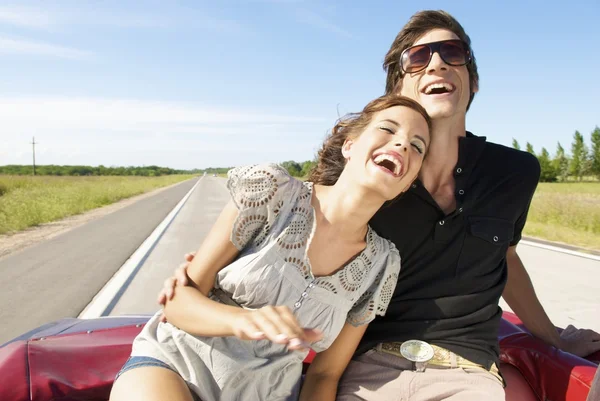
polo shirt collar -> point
(470, 149)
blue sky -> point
(193, 84)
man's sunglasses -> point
(454, 52)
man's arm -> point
(520, 295)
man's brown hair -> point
(418, 25)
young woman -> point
(287, 266)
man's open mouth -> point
(390, 162)
(438, 88)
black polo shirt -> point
(453, 268)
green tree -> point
(52, 169)
(307, 166)
(529, 149)
(561, 163)
(516, 145)
(595, 153)
(294, 168)
(579, 157)
(548, 171)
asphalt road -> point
(568, 286)
(183, 235)
(57, 278)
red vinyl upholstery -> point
(14, 377)
(71, 367)
(552, 374)
(82, 366)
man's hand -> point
(521, 297)
(180, 278)
(580, 342)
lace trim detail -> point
(258, 193)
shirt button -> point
(414, 186)
(304, 294)
(442, 223)
(495, 238)
(459, 170)
(298, 304)
(311, 285)
(460, 210)
(461, 192)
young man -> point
(458, 247)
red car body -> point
(74, 359)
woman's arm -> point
(324, 373)
(191, 310)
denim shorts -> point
(144, 361)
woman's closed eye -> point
(419, 147)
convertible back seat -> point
(75, 360)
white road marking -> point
(106, 298)
(560, 249)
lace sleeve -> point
(375, 300)
(259, 192)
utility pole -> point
(33, 143)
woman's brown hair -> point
(330, 161)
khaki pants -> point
(378, 376)
(594, 394)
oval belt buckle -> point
(417, 351)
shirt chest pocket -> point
(492, 230)
(485, 245)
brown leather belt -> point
(441, 357)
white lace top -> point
(272, 232)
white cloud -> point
(128, 113)
(60, 19)
(134, 132)
(27, 17)
(30, 17)
(21, 46)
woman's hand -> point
(180, 277)
(275, 323)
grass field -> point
(566, 212)
(30, 201)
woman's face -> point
(388, 154)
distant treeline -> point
(583, 161)
(216, 170)
(295, 169)
(146, 171)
